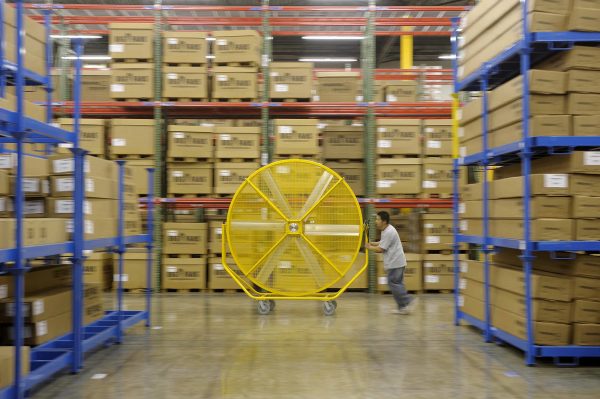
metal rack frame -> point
(15, 127)
(516, 60)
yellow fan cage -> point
(294, 228)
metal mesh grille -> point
(294, 227)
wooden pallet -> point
(184, 64)
(235, 100)
(186, 290)
(179, 195)
(311, 157)
(237, 160)
(185, 256)
(399, 156)
(190, 160)
(131, 156)
(290, 100)
(185, 100)
(444, 252)
(436, 195)
(342, 160)
(135, 290)
(131, 60)
(236, 64)
(220, 195)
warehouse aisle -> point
(216, 346)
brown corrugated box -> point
(93, 207)
(438, 264)
(63, 165)
(437, 281)
(593, 4)
(582, 81)
(33, 186)
(586, 311)
(215, 234)
(542, 310)
(243, 46)
(586, 162)
(586, 125)
(185, 82)
(95, 228)
(471, 209)
(140, 174)
(585, 207)
(437, 224)
(40, 279)
(95, 85)
(539, 104)
(134, 271)
(544, 333)
(35, 40)
(35, 232)
(541, 184)
(42, 331)
(7, 364)
(132, 137)
(98, 269)
(579, 57)
(353, 173)
(132, 81)
(402, 91)
(343, 142)
(33, 111)
(540, 207)
(39, 306)
(584, 19)
(229, 175)
(472, 306)
(190, 142)
(185, 238)
(235, 83)
(413, 273)
(438, 137)
(398, 176)
(218, 278)
(541, 229)
(338, 86)
(587, 230)
(92, 134)
(237, 142)
(472, 288)
(296, 136)
(587, 185)
(399, 136)
(586, 334)
(4, 183)
(549, 286)
(586, 288)
(583, 103)
(95, 187)
(291, 80)
(184, 273)
(189, 178)
(539, 125)
(184, 47)
(472, 270)
(437, 175)
(558, 263)
(131, 40)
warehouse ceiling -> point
(291, 48)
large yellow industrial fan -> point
(294, 228)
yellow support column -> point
(406, 49)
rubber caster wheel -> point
(263, 307)
(329, 308)
(272, 304)
(334, 304)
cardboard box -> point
(472, 288)
(185, 82)
(338, 86)
(185, 238)
(189, 178)
(402, 91)
(584, 19)
(582, 81)
(218, 278)
(235, 83)
(237, 142)
(43, 331)
(544, 333)
(215, 235)
(237, 46)
(132, 137)
(541, 184)
(398, 176)
(585, 207)
(437, 224)
(586, 185)
(7, 364)
(92, 313)
(92, 134)
(63, 165)
(131, 40)
(542, 310)
(140, 174)
(472, 270)
(541, 229)
(586, 125)
(437, 175)
(229, 175)
(399, 136)
(353, 173)
(98, 269)
(539, 125)
(35, 40)
(93, 207)
(437, 281)
(548, 286)
(438, 137)
(184, 273)
(38, 307)
(95, 85)
(4, 183)
(579, 57)
(539, 104)
(592, 4)
(586, 288)
(540, 82)
(438, 264)
(586, 162)
(30, 232)
(413, 273)
(132, 81)
(64, 186)
(540, 207)
(184, 47)
(587, 230)
(586, 334)
(586, 311)
(32, 207)
(583, 103)
(33, 111)
(95, 228)
(134, 271)
(291, 80)
(32, 186)
(343, 142)
(471, 306)
(39, 279)
(361, 281)
(190, 142)
(296, 137)
(567, 264)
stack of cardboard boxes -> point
(185, 246)
(291, 81)
(343, 151)
(296, 138)
(185, 71)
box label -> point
(218, 266)
(172, 233)
(432, 239)
(171, 269)
(179, 135)
(63, 165)
(222, 78)
(63, 206)
(384, 143)
(41, 328)
(462, 207)
(279, 88)
(434, 144)
(464, 225)
(121, 277)
(382, 280)
(429, 184)
(2, 204)
(172, 40)
(31, 185)
(116, 48)
(172, 76)
(285, 130)
(225, 137)
(33, 207)
(464, 267)
(221, 42)
(119, 142)
(219, 231)
(117, 88)
(432, 279)
(225, 173)
(384, 183)
(89, 227)
(6, 162)
(177, 173)
(3, 291)
(461, 301)
(38, 307)
(463, 284)
(65, 184)
(391, 98)
(591, 158)
(285, 264)
(556, 181)
(283, 170)
(89, 185)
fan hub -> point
(294, 228)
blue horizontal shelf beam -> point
(509, 338)
(470, 239)
(536, 245)
(31, 78)
(536, 143)
(31, 138)
(565, 37)
(42, 129)
(569, 351)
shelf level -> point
(536, 245)
(31, 78)
(39, 131)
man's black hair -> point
(384, 216)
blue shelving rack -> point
(65, 352)
(516, 60)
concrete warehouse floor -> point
(217, 346)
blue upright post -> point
(526, 245)
(78, 218)
(2, 71)
(486, 215)
(120, 251)
(149, 245)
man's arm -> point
(374, 246)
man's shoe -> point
(403, 311)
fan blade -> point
(312, 262)
(317, 192)
(346, 230)
(279, 199)
(269, 266)
(257, 225)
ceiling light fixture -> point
(76, 36)
(446, 57)
(88, 57)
